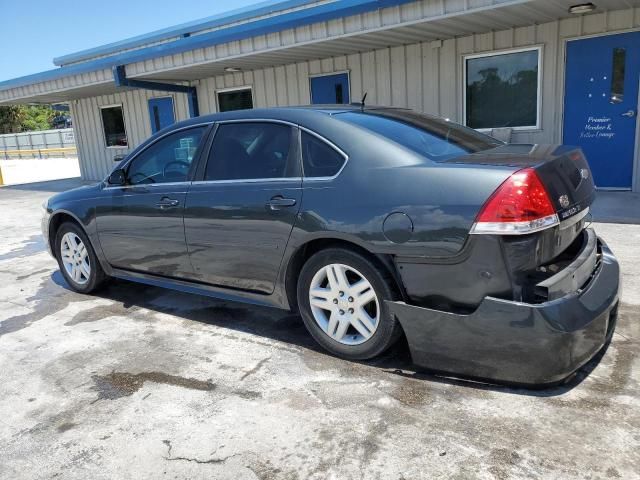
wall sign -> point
(598, 127)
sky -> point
(33, 32)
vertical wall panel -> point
(449, 89)
(326, 65)
(430, 78)
(282, 96)
(340, 63)
(259, 89)
(270, 88)
(414, 76)
(303, 83)
(291, 82)
(355, 77)
(503, 39)
(383, 76)
(549, 89)
(369, 86)
(398, 77)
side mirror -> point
(117, 177)
(119, 158)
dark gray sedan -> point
(373, 223)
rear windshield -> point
(432, 137)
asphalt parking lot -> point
(139, 382)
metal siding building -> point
(401, 53)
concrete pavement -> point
(139, 382)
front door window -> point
(166, 161)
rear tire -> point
(341, 295)
(77, 259)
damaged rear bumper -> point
(519, 343)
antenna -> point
(364, 97)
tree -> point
(11, 118)
(25, 118)
(38, 117)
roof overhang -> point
(313, 33)
(245, 14)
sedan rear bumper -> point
(518, 343)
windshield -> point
(437, 139)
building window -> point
(238, 99)
(503, 90)
(113, 125)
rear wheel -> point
(341, 296)
(77, 259)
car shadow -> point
(289, 328)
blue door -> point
(161, 113)
(600, 104)
(329, 89)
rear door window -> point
(251, 150)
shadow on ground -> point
(284, 327)
(53, 186)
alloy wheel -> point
(75, 258)
(344, 304)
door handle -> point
(167, 202)
(629, 114)
(278, 202)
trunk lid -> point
(562, 169)
(565, 175)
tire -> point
(79, 262)
(363, 337)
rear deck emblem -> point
(584, 173)
(564, 201)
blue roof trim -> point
(245, 13)
(277, 23)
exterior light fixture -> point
(582, 8)
(232, 69)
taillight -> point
(520, 205)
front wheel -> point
(341, 296)
(77, 260)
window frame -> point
(206, 153)
(204, 144)
(234, 89)
(495, 53)
(329, 74)
(330, 144)
(124, 122)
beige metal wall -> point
(96, 160)
(423, 76)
